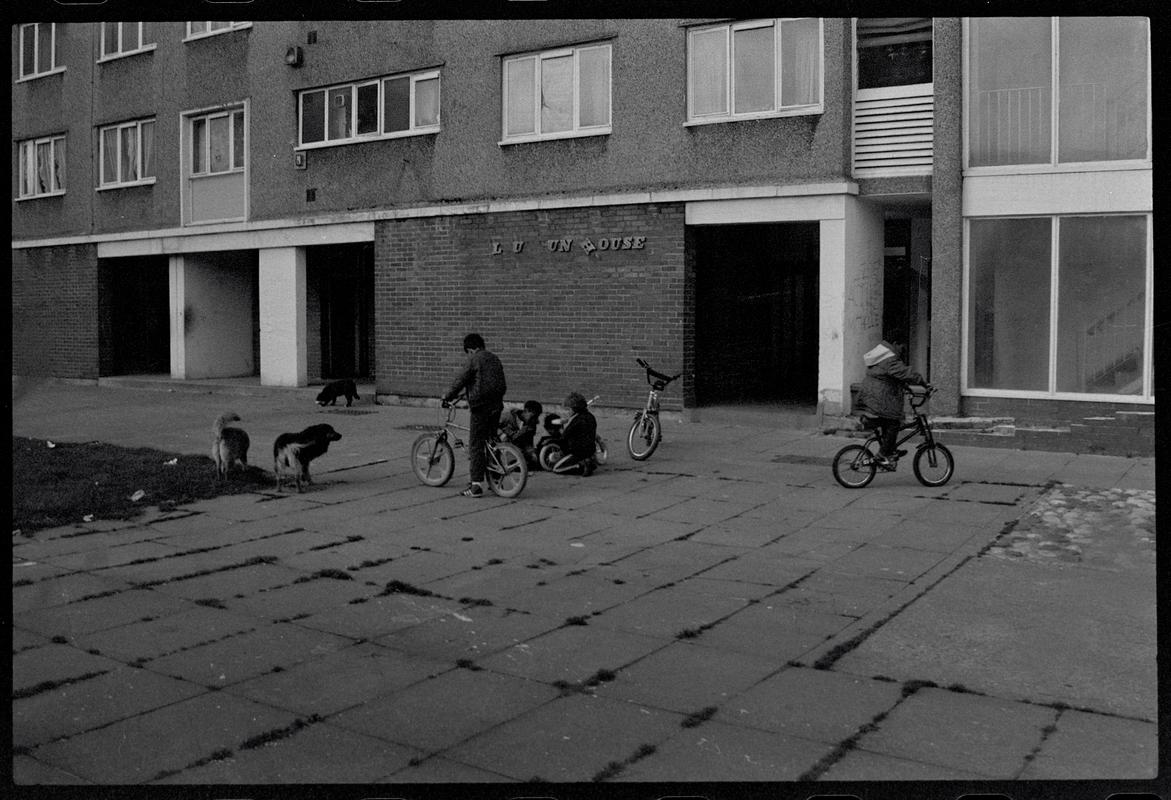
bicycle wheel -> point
(506, 471)
(854, 466)
(933, 464)
(645, 435)
(432, 459)
(549, 455)
(600, 451)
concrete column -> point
(283, 351)
(178, 304)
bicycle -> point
(433, 458)
(646, 432)
(855, 465)
(549, 448)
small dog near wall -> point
(335, 389)
(229, 446)
(292, 452)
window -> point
(759, 68)
(38, 49)
(198, 30)
(1095, 68)
(124, 39)
(557, 94)
(1059, 305)
(893, 52)
(401, 105)
(42, 167)
(126, 153)
(217, 142)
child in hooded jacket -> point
(579, 431)
(881, 394)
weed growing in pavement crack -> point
(59, 640)
(470, 601)
(615, 768)
(279, 733)
(336, 574)
(210, 602)
(398, 587)
(48, 686)
(468, 664)
(582, 620)
(699, 717)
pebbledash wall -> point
(567, 298)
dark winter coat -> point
(580, 435)
(483, 378)
(881, 394)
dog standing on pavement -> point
(335, 389)
(229, 446)
(292, 452)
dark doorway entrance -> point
(343, 276)
(756, 313)
(135, 311)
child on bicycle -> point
(579, 431)
(519, 426)
(881, 396)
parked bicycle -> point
(856, 464)
(550, 448)
(646, 432)
(433, 457)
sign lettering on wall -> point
(587, 244)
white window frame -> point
(118, 129)
(1054, 166)
(53, 69)
(27, 158)
(224, 27)
(729, 115)
(1148, 392)
(112, 54)
(229, 112)
(378, 134)
(577, 130)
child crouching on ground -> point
(519, 426)
(579, 432)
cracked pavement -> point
(721, 612)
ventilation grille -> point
(894, 130)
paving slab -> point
(303, 595)
(573, 654)
(318, 754)
(576, 595)
(984, 735)
(59, 589)
(174, 633)
(101, 613)
(1095, 747)
(667, 612)
(862, 765)
(379, 616)
(470, 633)
(569, 740)
(423, 717)
(28, 771)
(52, 663)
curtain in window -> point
(129, 137)
(148, 148)
(58, 165)
(800, 62)
(594, 87)
(110, 155)
(44, 168)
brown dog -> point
(292, 452)
(229, 446)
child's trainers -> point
(473, 490)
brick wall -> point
(1126, 429)
(560, 319)
(55, 312)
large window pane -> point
(427, 102)
(44, 47)
(110, 155)
(198, 146)
(594, 87)
(1010, 96)
(709, 70)
(312, 117)
(397, 104)
(368, 108)
(754, 74)
(1101, 305)
(340, 112)
(893, 51)
(129, 153)
(110, 38)
(238, 139)
(219, 134)
(130, 36)
(1008, 305)
(1103, 79)
(28, 50)
(148, 149)
(520, 79)
(556, 94)
(800, 62)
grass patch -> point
(64, 484)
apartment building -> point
(754, 203)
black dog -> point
(335, 389)
(292, 452)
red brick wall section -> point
(55, 318)
(560, 321)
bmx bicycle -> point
(433, 457)
(855, 465)
(550, 448)
(647, 431)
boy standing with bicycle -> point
(881, 395)
(482, 377)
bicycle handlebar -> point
(651, 372)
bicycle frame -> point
(918, 426)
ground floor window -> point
(1059, 306)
